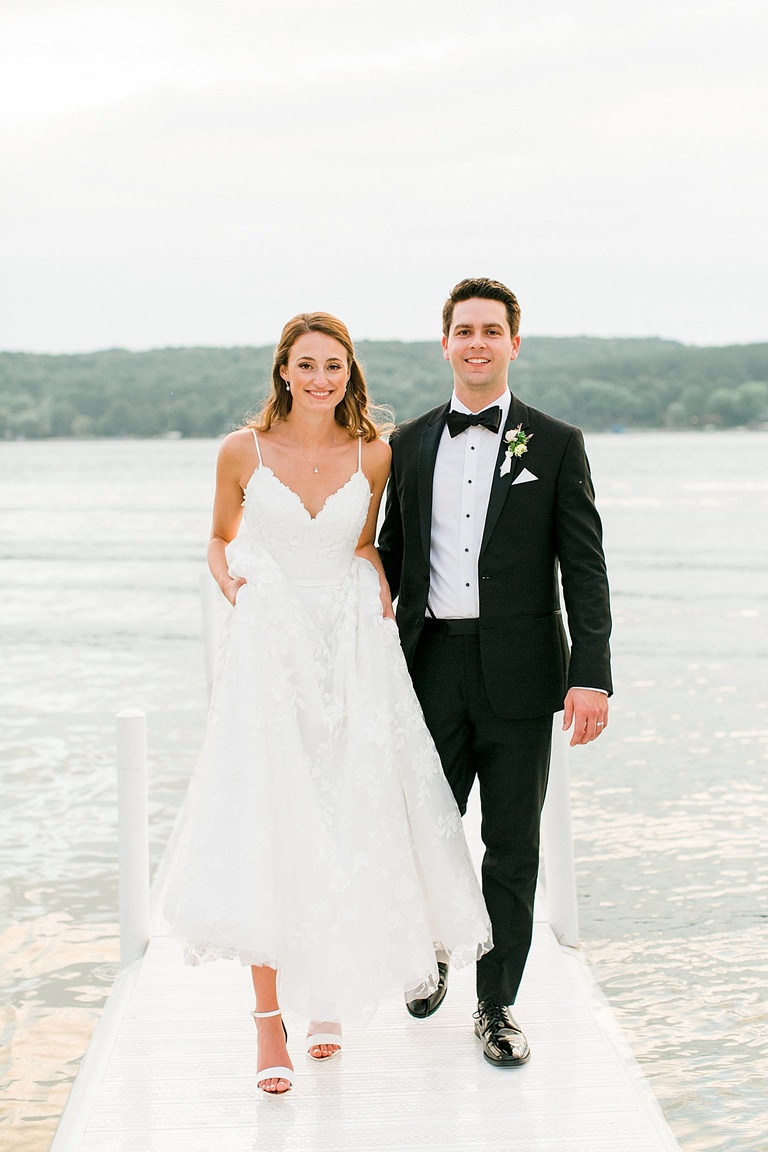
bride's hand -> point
(386, 604)
(232, 587)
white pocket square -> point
(524, 477)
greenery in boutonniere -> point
(517, 445)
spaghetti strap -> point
(359, 453)
(256, 442)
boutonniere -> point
(517, 445)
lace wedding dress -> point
(322, 837)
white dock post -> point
(132, 834)
(209, 602)
(557, 841)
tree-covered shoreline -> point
(202, 392)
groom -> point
(487, 499)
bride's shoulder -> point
(376, 458)
(235, 443)
(377, 451)
(238, 450)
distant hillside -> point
(203, 392)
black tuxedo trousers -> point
(510, 761)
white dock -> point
(173, 1070)
(172, 1064)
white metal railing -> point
(557, 842)
(132, 834)
(210, 603)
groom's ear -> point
(444, 343)
(515, 347)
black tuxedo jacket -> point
(531, 529)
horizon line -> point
(368, 340)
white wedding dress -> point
(322, 837)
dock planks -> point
(172, 1064)
(179, 1073)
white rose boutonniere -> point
(517, 445)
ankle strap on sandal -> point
(263, 1015)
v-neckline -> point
(302, 505)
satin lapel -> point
(501, 484)
(428, 445)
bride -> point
(323, 846)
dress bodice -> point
(309, 549)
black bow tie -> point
(488, 418)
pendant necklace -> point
(314, 467)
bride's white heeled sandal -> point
(278, 1072)
(316, 1039)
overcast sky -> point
(197, 172)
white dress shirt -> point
(461, 489)
(462, 482)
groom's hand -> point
(588, 712)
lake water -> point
(101, 545)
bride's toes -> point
(323, 1039)
(274, 1085)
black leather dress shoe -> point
(503, 1042)
(423, 1008)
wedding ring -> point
(599, 724)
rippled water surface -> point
(101, 544)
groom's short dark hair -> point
(480, 287)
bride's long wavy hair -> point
(354, 413)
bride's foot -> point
(323, 1039)
(275, 1070)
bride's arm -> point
(376, 460)
(227, 510)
